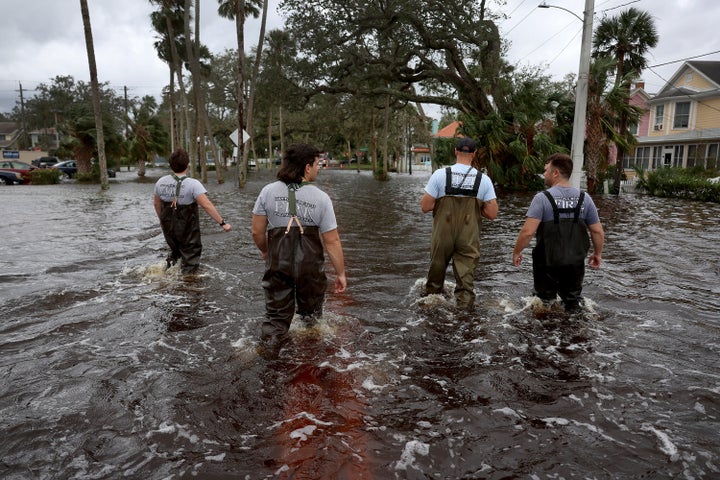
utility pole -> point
(581, 91)
(23, 127)
(581, 95)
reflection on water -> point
(114, 368)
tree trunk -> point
(281, 127)
(253, 80)
(240, 32)
(270, 154)
(100, 139)
(386, 128)
(177, 66)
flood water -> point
(115, 369)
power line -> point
(684, 59)
(521, 21)
(619, 6)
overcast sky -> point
(44, 38)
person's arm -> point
(427, 203)
(157, 202)
(331, 240)
(490, 209)
(527, 232)
(259, 235)
(597, 235)
(208, 206)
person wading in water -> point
(293, 225)
(176, 201)
(458, 196)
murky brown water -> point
(113, 369)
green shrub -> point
(680, 183)
(45, 176)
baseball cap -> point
(466, 145)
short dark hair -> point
(296, 157)
(179, 160)
(562, 162)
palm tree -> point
(95, 96)
(607, 104)
(171, 13)
(238, 10)
(627, 38)
(147, 135)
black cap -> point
(466, 145)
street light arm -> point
(545, 5)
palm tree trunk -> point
(386, 127)
(177, 66)
(253, 80)
(270, 149)
(100, 139)
(240, 32)
(281, 127)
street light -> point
(581, 93)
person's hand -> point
(340, 283)
(594, 261)
(517, 259)
(227, 227)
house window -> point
(682, 115)
(2, 137)
(657, 159)
(693, 154)
(659, 114)
(678, 158)
(642, 157)
(711, 158)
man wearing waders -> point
(458, 196)
(177, 197)
(292, 221)
(560, 217)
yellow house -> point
(684, 128)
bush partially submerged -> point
(680, 183)
(45, 176)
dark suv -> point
(44, 162)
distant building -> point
(683, 128)
(9, 135)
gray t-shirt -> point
(190, 189)
(565, 197)
(314, 207)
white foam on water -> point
(412, 448)
(666, 445)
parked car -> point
(10, 178)
(44, 162)
(22, 168)
(69, 169)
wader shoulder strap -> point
(450, 190)
(179, 181)
(557, 211)
(292, 206)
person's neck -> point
(181, 174)
(561, 183)
(464, 161)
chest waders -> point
(181, 227)
(456, 236)
(294, 273)
(559, 255)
